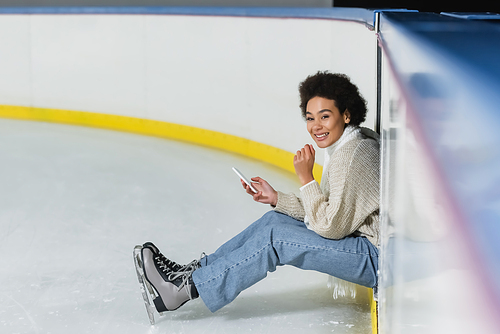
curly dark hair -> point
(337, 87)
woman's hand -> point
(304, 163)
(265, 193)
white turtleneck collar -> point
(349, 133)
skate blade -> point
(146, 289)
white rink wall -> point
(235, 75)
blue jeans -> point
(274, 240)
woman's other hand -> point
(265, 193)
(304, 163)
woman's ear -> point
(347, 116)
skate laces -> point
(185, 273)
(166, 264)
(193, 264)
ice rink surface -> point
(74, 203)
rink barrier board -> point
(214, 139)
(360, 15)
(475, 79)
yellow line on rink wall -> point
(227, 142)
(373, 311)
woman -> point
(332, 228)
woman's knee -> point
(267, 222)
(274, 218)
(275, 224)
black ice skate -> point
(169, 265)
(166, 264)
(165, 285)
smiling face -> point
(325, 123)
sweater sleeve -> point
(353, 180)
(290, 205)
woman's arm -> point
(290, 204)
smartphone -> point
(244, 179)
